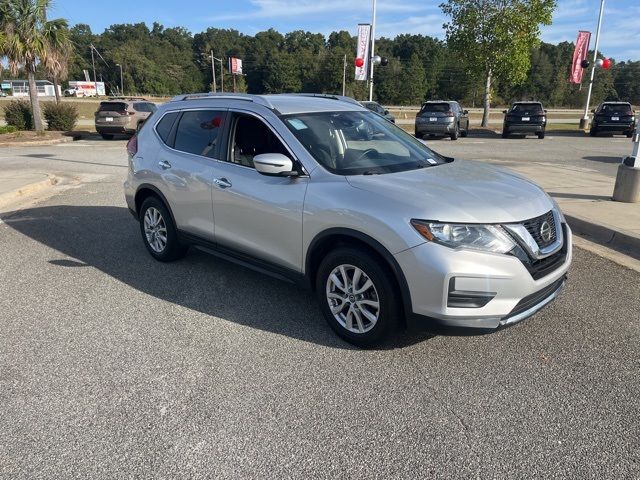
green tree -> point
(413, 81)
(494, 37)
(29, 39)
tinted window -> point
(436, 107)
(615, 109)
(527, 108)
(198, 132)
(165, 125)
(112, 107)
(252, 137)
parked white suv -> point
(322, 192)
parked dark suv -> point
(525, 118)
(613, 117)
(380, 110)
(442, 118)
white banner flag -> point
(364, 38)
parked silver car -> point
(327, 194)
(442, 118)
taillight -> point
(132, 145)
(124, 112)
(448, 114)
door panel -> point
(187, 166)
(257, 214)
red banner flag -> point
(579, 54)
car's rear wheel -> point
(107, 136)
(630, 134)
(505, 133)
(159, 232)
(456, 133)
(540, 135)
(357, 297)
(593, 132)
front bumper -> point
(515, 294)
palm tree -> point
(57, 64)
(30, 39)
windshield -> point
(359, 143)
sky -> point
(620, 38)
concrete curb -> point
(624, 242)
(50, 181)
(33, 143)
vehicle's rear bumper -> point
(614, 127)
(435, 129)
(115, 129)
(525, 128)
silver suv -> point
(324, 193)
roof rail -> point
(330, 96)
(223, 95)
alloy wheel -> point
(353, 298)
(155, 230)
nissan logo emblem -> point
(545, 231)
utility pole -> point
(213, 71)
(121, 81)
(344, 75)
(373, 45)
(93, 63)
(584, 122)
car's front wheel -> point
(357, 297)
(159, 232)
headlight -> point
(486, 238)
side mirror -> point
(386, 112)
(274, 165)
(504, 111)
(465, 112)
(593, 110)
(545, 111)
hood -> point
(461, 191)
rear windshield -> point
(436, 107)
(615, 109)
(530, 108)
(112, 107)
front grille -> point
(534, 227)
(535, 298)
(544, 266)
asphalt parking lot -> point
(114, 365)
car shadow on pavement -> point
(603, 159)
(108, 239)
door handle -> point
(222, 182)
(163, 164)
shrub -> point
(60, 116)
(8, 129)
(18, 114)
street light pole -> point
(121, 81)
(221, 73)
(93, 63)
(585, 119)
(213, 71)
(344, 75)
(373, 44)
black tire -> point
(173, 249)
(106, 136)
(465, 132)
(456, 133)
(630, 134)
(540, 135)
(593, 132)
(505, 133)
(389, 312)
